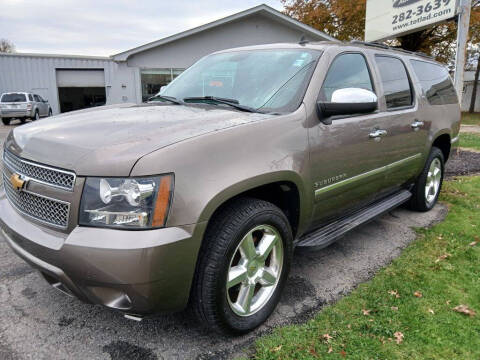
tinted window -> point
(346, 71)
(14, 97)
(396, 85)
(436, 83)
(30, 97)
(36, 97)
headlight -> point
(133, 203)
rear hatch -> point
(13, 101)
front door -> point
(346, 160)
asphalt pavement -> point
(38, 322)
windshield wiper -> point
(231, 102)
(168, 98)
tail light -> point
(29, 106)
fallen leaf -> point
(313, 352)
(443, 257)
(327, 337)
(394, 308)
(448, 302)
(473, 243)
(398, 337)
(417, 294)
(343, 353)
(349, 326)
(394, 293)
(464, 309)
(277, 348)
(431, 311)
(366, 312)
(330, 350)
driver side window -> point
(346, 71)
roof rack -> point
(386, 47)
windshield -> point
(265, 80)
(14, 98)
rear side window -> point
(37, 98)
(436, 83)
(346, 71)
(396, 84)
(30, 97)
(14, 97)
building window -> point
(154, 79)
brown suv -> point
(199, 196)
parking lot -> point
(38, 322)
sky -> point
(104, 28)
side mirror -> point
(348, 101)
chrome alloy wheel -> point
(434, 178)
(254, 270)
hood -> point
(108, 141)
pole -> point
(462, 36)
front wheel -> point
(429, 183)
(49, 112)
(6, 121)
(243, 265)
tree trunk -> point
(475, 85)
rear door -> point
(406, 132)
(346, 162)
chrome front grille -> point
(46, 210)
(43, 209)
(40, 173)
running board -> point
(327, 234)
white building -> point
(468, 82)
(75, 82)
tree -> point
(345, 20)
(6, 46)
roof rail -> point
(374, 44)
(383, 46)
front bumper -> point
(138, 272)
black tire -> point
(36, 116)
(50, 112)
(23, 120)
(5, 121)
(419, 202)
(209, 298)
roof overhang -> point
(263, 9)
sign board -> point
(387, 19)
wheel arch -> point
(284, 189)
(442, 141)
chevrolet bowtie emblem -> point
(17, 182)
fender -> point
(264, 179)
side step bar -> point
(327, 234)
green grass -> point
(441, 264)
(470, 140)
(470, 119)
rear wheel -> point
(49, 112)
(242, 267)
(6, 121)
(429, 183)
(23, 120)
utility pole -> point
(475, 87)
(464, 7)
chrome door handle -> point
(378, 133)
(417, 124)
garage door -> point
(80, 89)
(80, 78)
